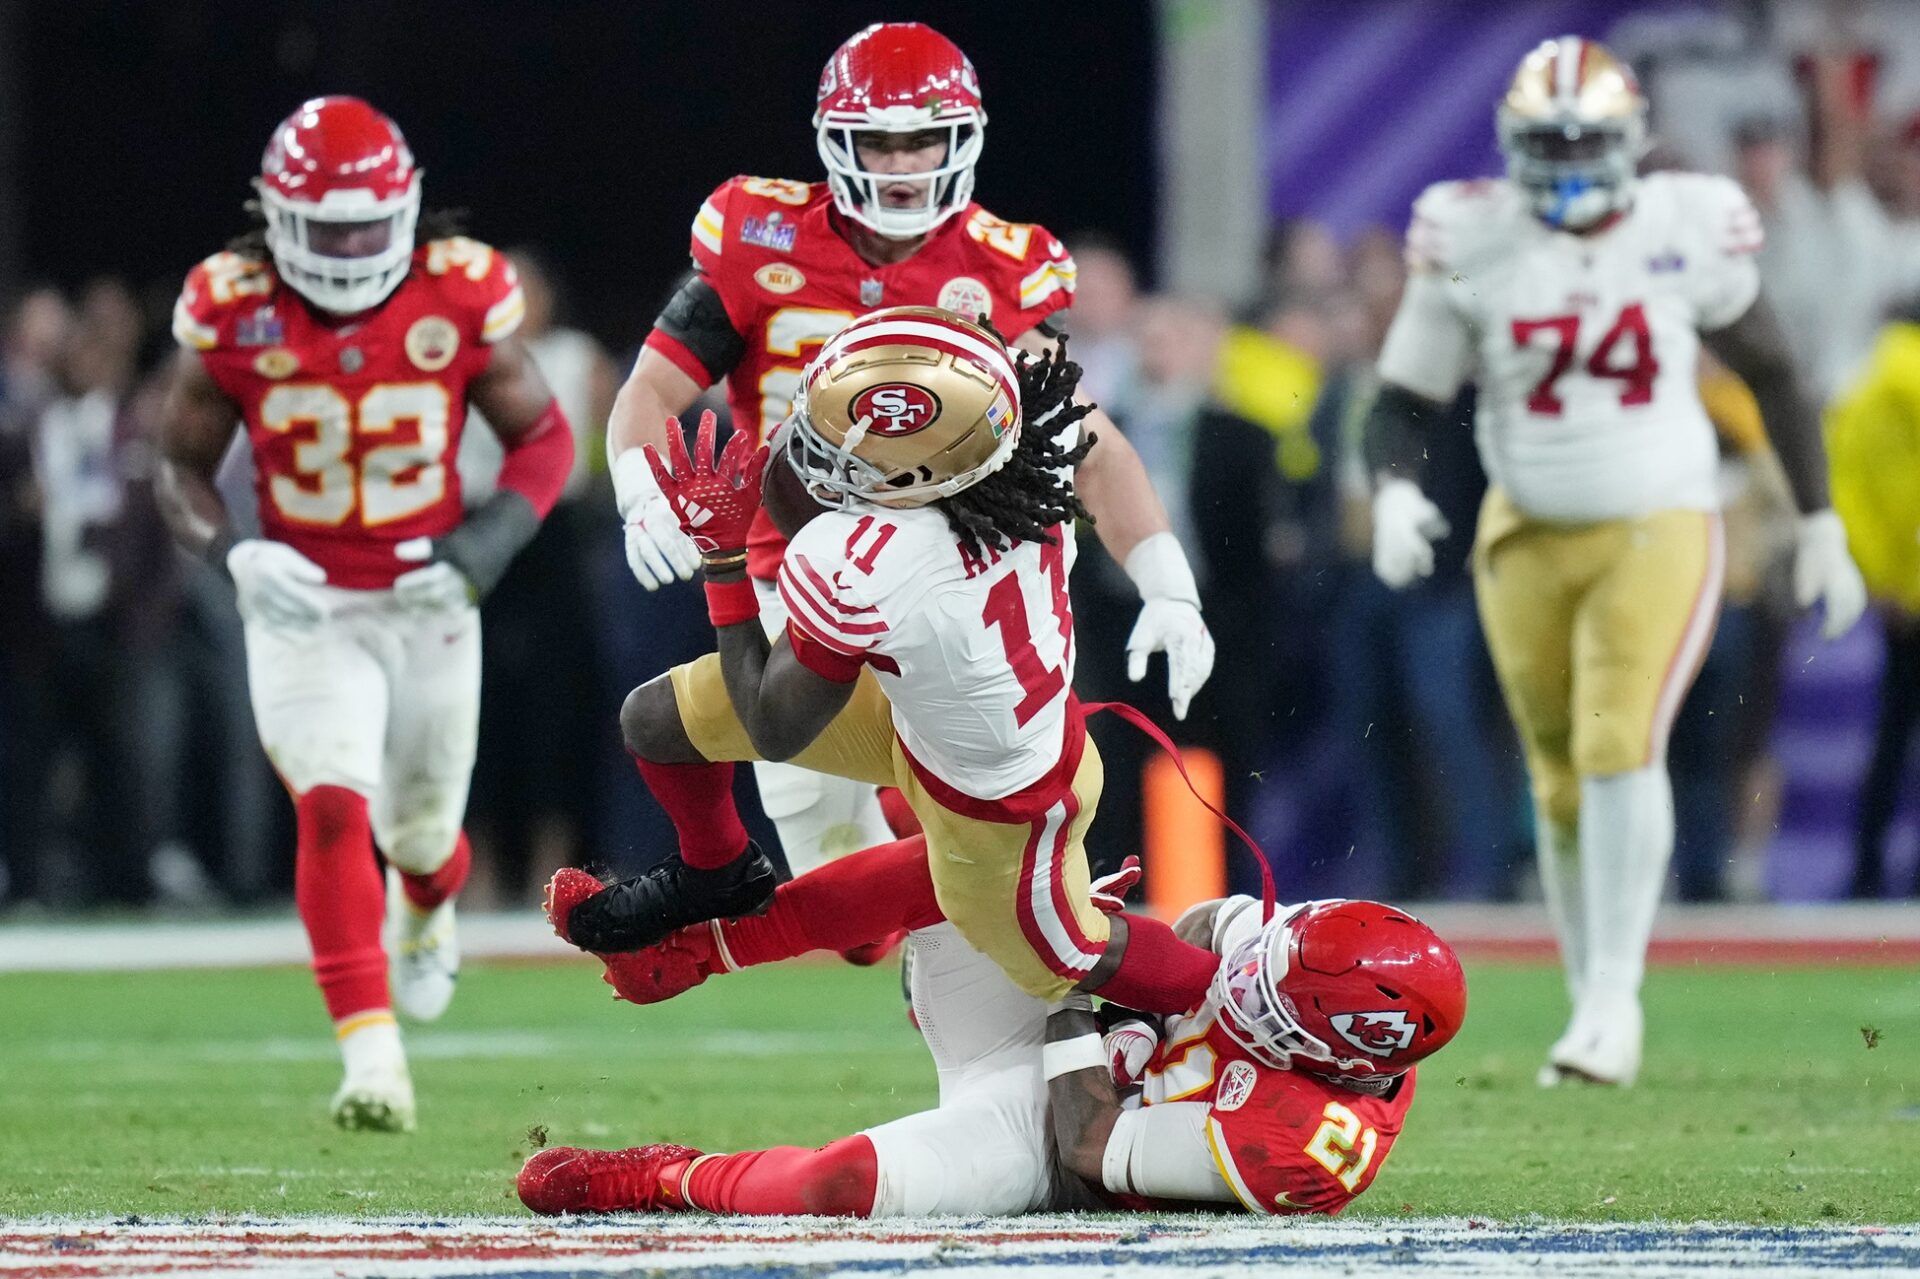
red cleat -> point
(669, 967)
(871, 953)
(567, 889)
(569, 1179)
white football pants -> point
(986, 1150)
(381, 701)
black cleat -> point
(638, 912)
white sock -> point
(1557, 850)
(370, 1042)
(1626, 841)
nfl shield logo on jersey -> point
(1236, 1085)
(1380, 1034)
(870, 293)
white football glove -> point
(1169, 620)
(1823, 571)
(272, 581)
(1129, 1047)
(438, 587)
(1405, 527)
(657, 551)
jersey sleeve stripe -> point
(801, 613)
(708, 227)
(504, 316)
(188, 331)
(1051, 278)
(1217, 1142)
(825, 591)
(848, 632)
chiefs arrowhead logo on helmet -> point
(897, 408)
(1379, 1033)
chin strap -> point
(1138, 718)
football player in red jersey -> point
(1282, 1091)
(781, 266)
(350, 355)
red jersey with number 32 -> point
(777, 254)
(974, 652)
(1286, 1141)
(354, 426)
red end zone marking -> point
(1717, 952)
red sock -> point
(904, 822)
(338, 892)
(428, 891)
(860, 898)
(1159, 973)
(699, 800)
(837, 1180)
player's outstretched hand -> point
(1109, 892)
(274, 583)
(714, 501)
(1824, 572)
(1173, 627)
(657, 551)
(1129, 1046)
(1405, 527)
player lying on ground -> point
(1281, 1091)
(1577, 295)
(780, 266)
(350, 356)
(926, 478)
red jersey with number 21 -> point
(975, 652)
(777, 254)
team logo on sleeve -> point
(1381, 1034)
(780, 277)
(1236, 1085)
(896, 408)
(432, 342)
(966, 297)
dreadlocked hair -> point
(433, 224)
(1033, 491)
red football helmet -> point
(1352, 989)
(341, 194)
(899, 77)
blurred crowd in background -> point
(1361, 729)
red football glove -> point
(1109, 892)
(715, 504)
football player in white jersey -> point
(925, 478)
(1577, 295)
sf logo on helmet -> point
(896, 408)
(1381, 1034)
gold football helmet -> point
(1573, 127)
(901, 408)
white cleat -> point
(1601, 1046)
(376, 1100)
(425, 952)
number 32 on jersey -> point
(392, 480)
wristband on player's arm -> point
(730, 603)
(488, 539)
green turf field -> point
(181, 1093)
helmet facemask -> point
(1261, 1017)
(1575, 173)
(307, 237)
(857, 189)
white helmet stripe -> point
(1566, 69)
(889, 329)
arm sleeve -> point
(1163, 1152)
(696, 333)
(1429, 348)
